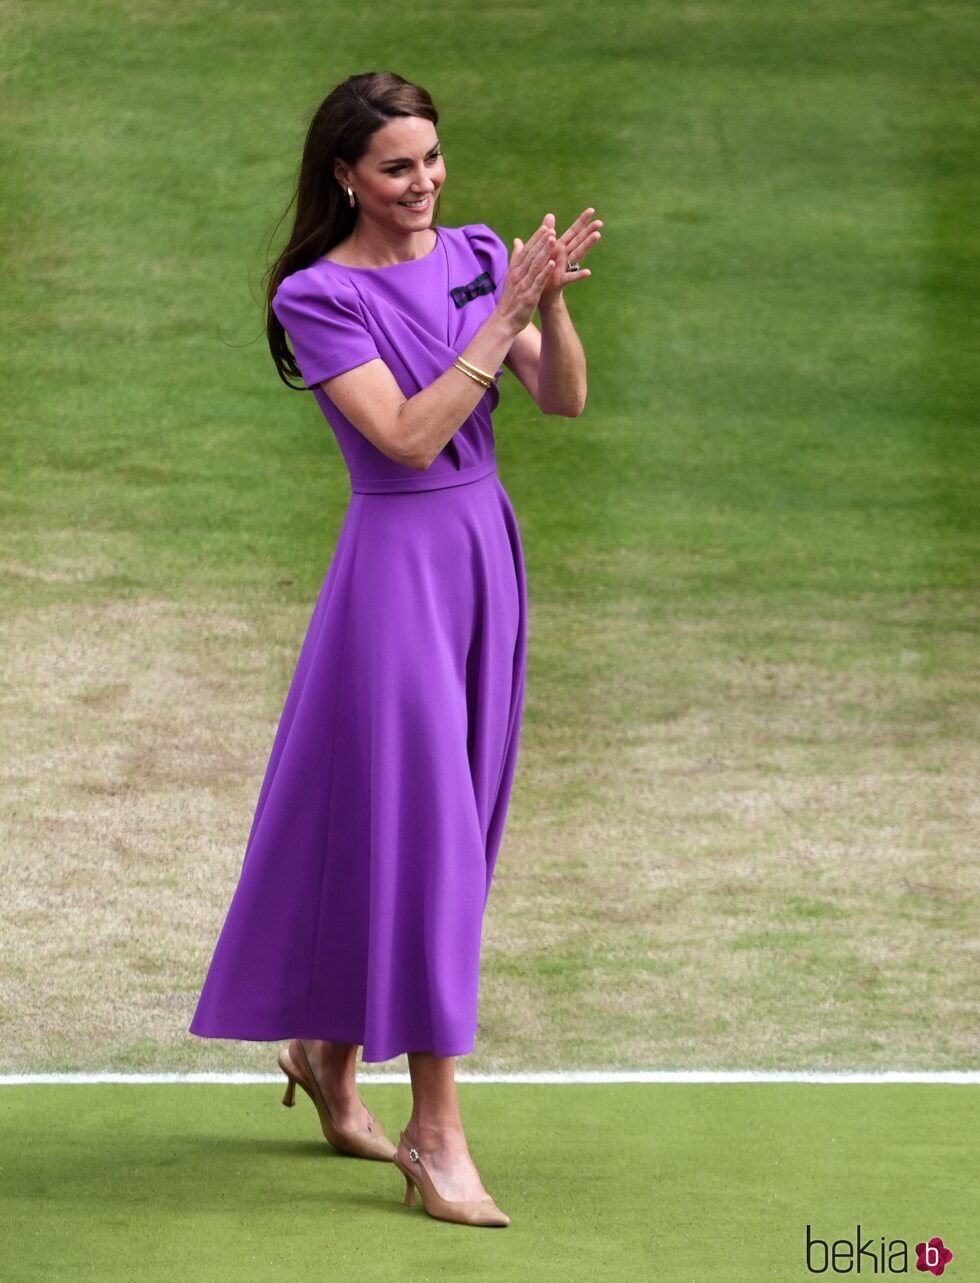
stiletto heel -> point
(364, 1142)
(473, 1211)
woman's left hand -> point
(572, 246)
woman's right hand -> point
(527, 274)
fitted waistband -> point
(422, 481)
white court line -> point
(970, 1078)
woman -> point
(357, 918)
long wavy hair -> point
(341, 129)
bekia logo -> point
(844, 1256)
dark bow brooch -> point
(463, 294)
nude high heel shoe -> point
(474, 1211)
(362, 1143)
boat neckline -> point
(384, 267)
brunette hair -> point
(341, 128)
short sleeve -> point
(325, 324)
(491, 253)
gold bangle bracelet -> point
(484, 383)
(475, 368)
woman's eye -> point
(431, 159)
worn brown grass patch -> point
(712, 858)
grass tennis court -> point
(740, 835)
(628, 1181)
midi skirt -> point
(358, 913)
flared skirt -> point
(358, 913)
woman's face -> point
(403, 163)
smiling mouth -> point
(424, 204)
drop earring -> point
(350, 197)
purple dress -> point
(359, 910)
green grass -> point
(752, 561)
(740, 829)
(703, 1183)
(778, 326)
(739, 835)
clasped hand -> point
(538, 271)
